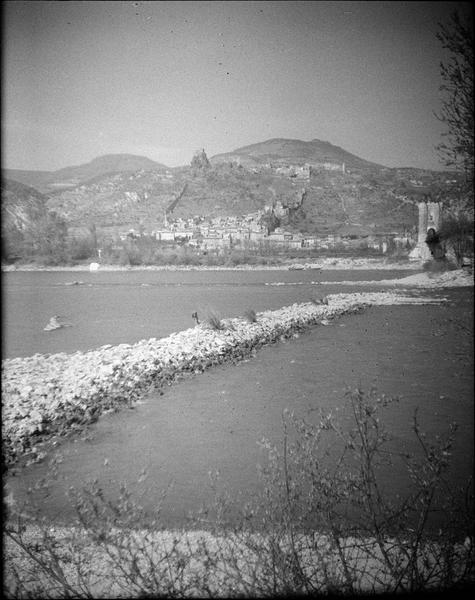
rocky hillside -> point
(126, 200)
(318, 204)
(50, 181)
(22, 205)
(303, 182)
(29, 227)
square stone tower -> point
(430, 214)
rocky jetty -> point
(449, 279)
(44, 396)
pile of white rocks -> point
(51, 395)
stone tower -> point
(429, 218)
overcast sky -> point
(163, 79)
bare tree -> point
(457, 91)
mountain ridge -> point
(46, 181)
(298, 152)
(285, 150)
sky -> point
(164, 79)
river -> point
(214, 421)
(127, 306)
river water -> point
(214, 421)
(127, 306)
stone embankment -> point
(44, 396)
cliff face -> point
(21, 205)
(29, 228)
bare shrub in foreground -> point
(367, 539)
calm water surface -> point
(127, 306)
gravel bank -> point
(457, 278)
(201, 564)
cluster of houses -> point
(247, 231)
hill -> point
(110, 163)
(316, 200)
(49, 181)
(302, 185)
(280, 151)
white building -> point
(165, 235)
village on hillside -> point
(239, 205)
(250, 231)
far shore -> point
(324, 264)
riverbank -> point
(321, 264)
(240, 564)
(48, 396)
(449, 279)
